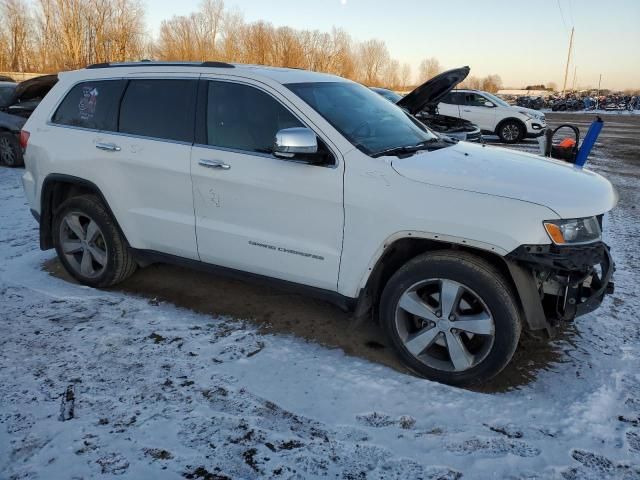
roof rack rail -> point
(149, 63)
(217, 64)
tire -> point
(10, 150)
(484, 297)
(510, 131)
(110, 260)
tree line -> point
(55, 35)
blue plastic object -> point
(588, 142)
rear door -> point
(255, 212)
(451, 104)
(148, 160)
(479, 110)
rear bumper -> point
(570, 280)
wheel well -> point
(511, 119)
(55, 190)
(405, 249)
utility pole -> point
(575, 72)
(598, 96)
(566, 68)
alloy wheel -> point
(510, 132)
(445, 325)
(83, 244)
(7, 153)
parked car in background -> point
(7, 89)
(316, 183)
(493, 115)
(422, 103)
(17, 102)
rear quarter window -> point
(91, 105)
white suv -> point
(493, 115)
(317, 183)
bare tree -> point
(373, 57)
(472, 82)
(127, 32)
(17, 25)
(491, 83)
(391, 74)
(429, 68)
(53, 35)
(405, 76)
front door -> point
(255, 212)
(479, 110)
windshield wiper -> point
(407, 149)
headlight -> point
(526, 114)
(574, 231)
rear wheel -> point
(511, 131)
(10, 151)
(89, 244)
(451, 317)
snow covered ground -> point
(161, 392)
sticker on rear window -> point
(87, 105)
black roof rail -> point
(98, 65)
(217, 64)
(149, 63)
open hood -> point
(36, 87)
(431, 92)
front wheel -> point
(451, 317)
(89, 244)
(511, 131)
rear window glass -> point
(453, 98)
(159, 109)
(91, 105)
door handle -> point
(214, 164)
(109, 147)
(466, 110)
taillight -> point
(24, 138)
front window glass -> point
(476, 100)
(366, 119)
(496, 100)
(244, 118)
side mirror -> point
(487, 103)
(292, 142)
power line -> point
(562, 15)
(571, 13)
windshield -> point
(367, 120)
(6, 95)
(496, 100)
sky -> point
(525, 42)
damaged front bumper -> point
(569, 281)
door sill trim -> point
(148, 257)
